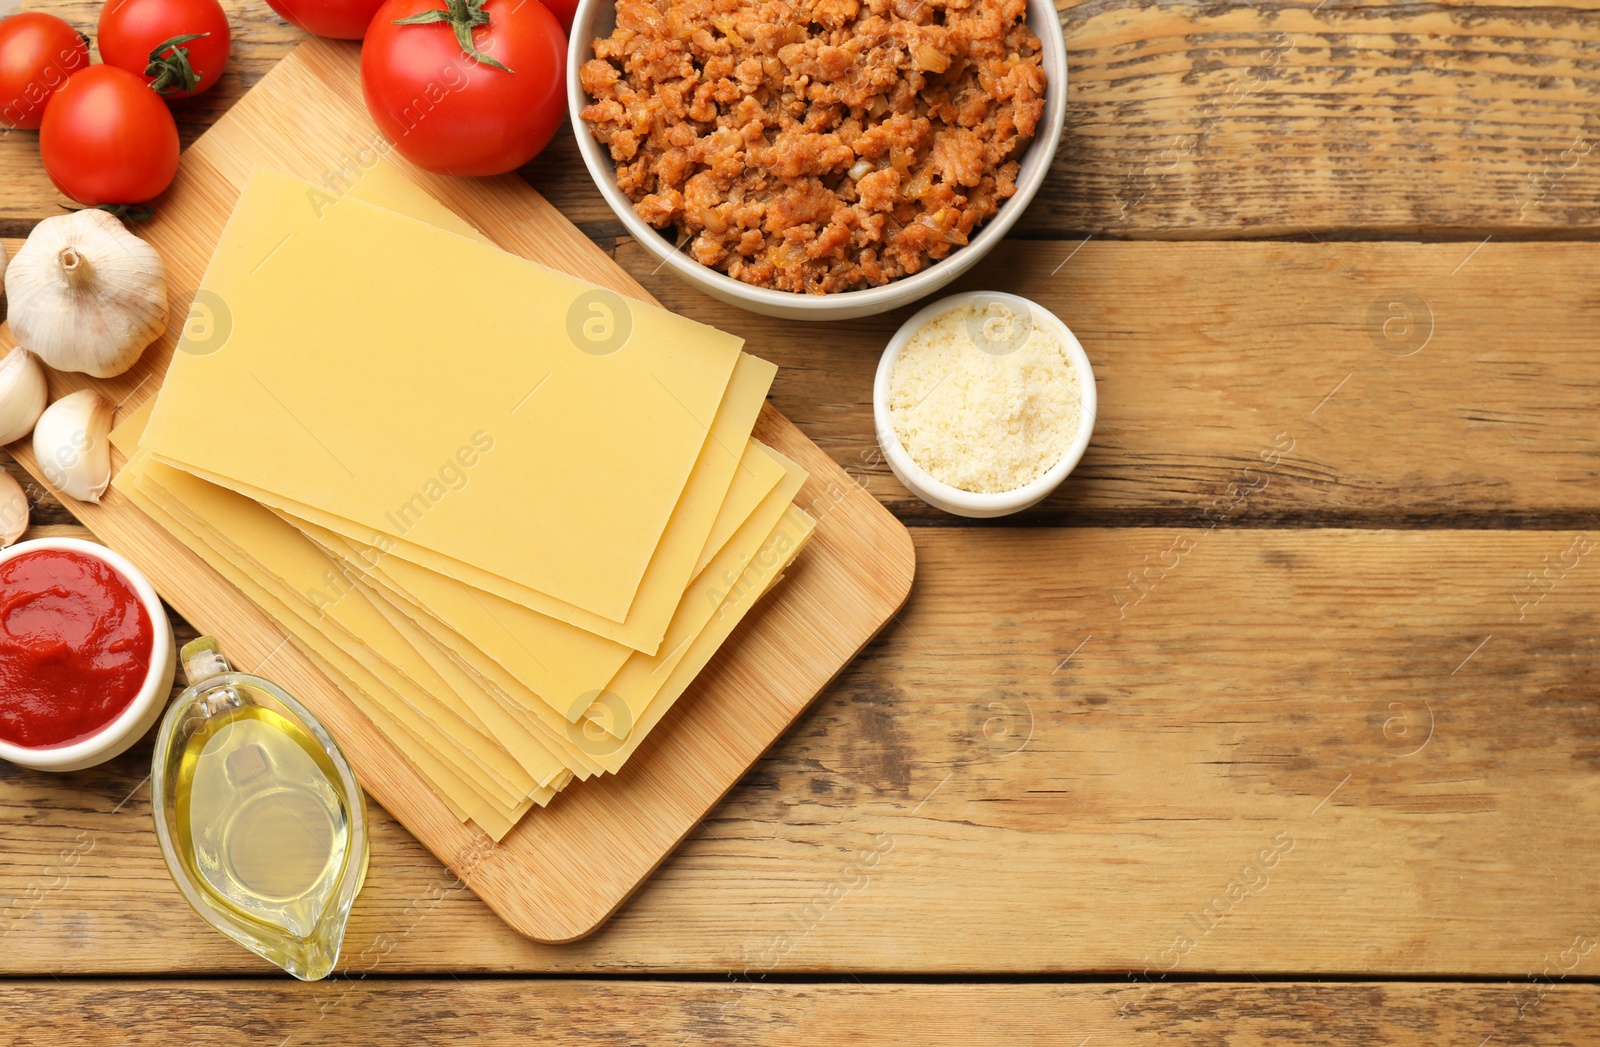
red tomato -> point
(340, 19)
(37, 54)
(453, 112)
(145, 37)
(108, 139)
(564, 10)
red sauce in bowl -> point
(75, 647)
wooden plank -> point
(1205, 353)
(1275, 119)
(1421, 121)
(560, 874)
(378, 1013)
(1411, 384)
(1039, 769)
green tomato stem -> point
(463, 16)
(172, 71)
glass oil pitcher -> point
(260, 819)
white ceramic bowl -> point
(598, 17)
(142, 713)
(936, 492)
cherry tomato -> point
(460, 113)
(180, 47)
(37, 54)
(339, 19)
(108, 139)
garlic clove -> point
(23, 394)
(13, 510)
(72, 443)
(85, 294)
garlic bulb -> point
(22, 394)
(72, 443)
(86, 295)
(13, 509)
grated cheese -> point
(984, 419)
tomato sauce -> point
(75, 647)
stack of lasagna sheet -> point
(512, 514)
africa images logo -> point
(599, 322)
(598, 722)
(999, 326)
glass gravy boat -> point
(260, 819)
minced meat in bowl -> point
(816, 146)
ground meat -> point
(816, 145)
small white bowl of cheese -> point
(984, 402)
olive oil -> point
(259, 825)
(261, 821)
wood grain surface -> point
(1039, 770)
(1416, 384)
(1320, 578)
(1359, 1014)
(1413, 385)
(1347, 119)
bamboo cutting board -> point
(565, 868)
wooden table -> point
(1276, 724)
